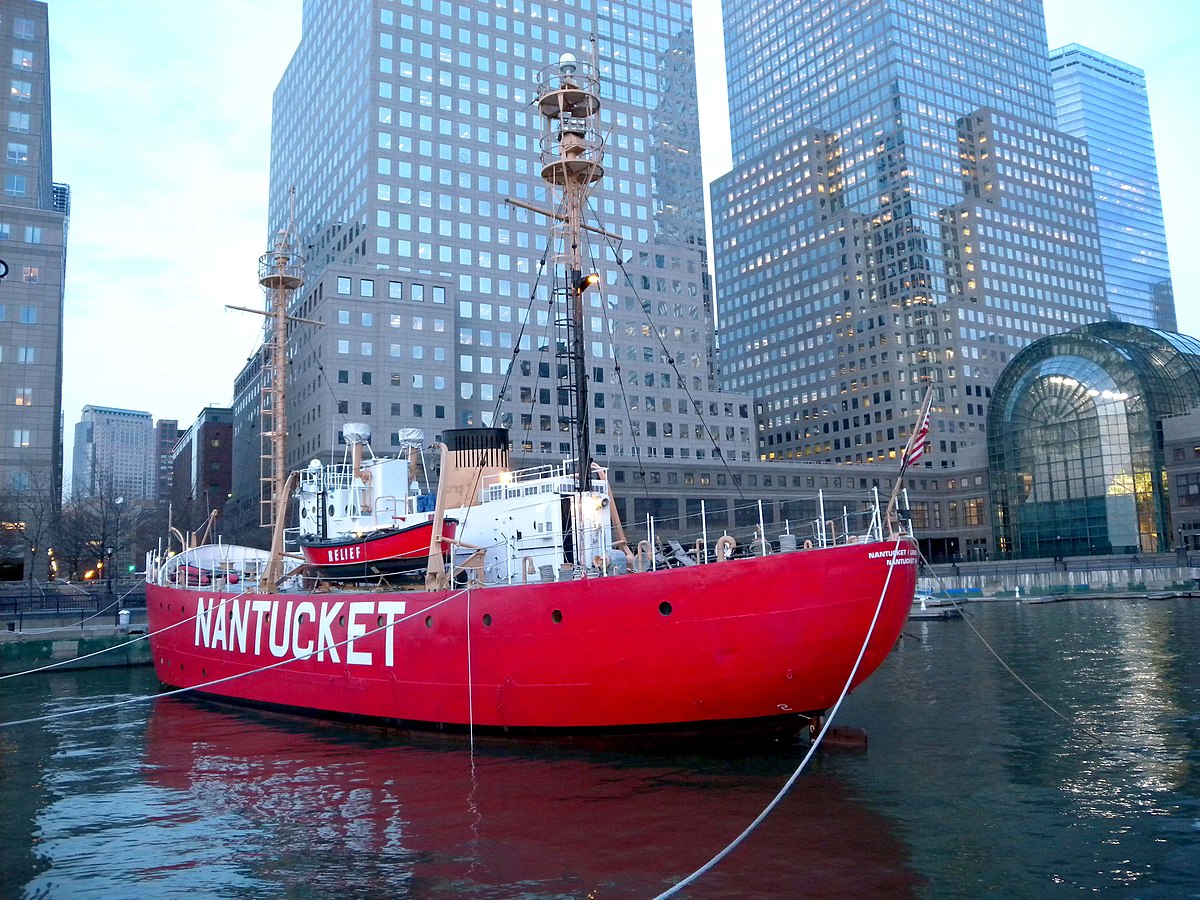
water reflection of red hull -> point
(393, 817)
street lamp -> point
(115, 549)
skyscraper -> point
(901, 212)
(405, 128)
(33, 217)
(115, 454)
(1103, 101)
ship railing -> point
(547, 479)
(328, 478)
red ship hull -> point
(744, 640)
(387, 552)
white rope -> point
(82, 621)
(470, 683)
(1021, 681)
(208, 684)
(100, 652)
(783, 791)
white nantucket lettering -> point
(303, 608)
(218, 634)
(280, 648)
(203, 622)
(239, 620)
(390, 610)
(903, 553)
(225, 625)
(354, 630)
(261, 608)
(325, 639)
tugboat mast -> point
(572, 156)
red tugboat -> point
(541, 617)
(367, 517)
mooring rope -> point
(992, 650)
(85, 619)
(816, 742)
(208, 684)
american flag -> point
(915, 448)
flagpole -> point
(913, 450)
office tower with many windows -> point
(33, 216)
(1103, 101)
(405, 128)
(115, 454)
(902, 211)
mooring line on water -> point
(75, 659)
(207, 684)
(470, 684)
(816, 742)
(1021, 681)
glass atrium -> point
(1075, 449)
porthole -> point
(487, 620)
(341, 621)
(429, 621)
(556, 616)
(379, 622)
(664, 608)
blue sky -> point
(161, 118)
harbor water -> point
(1083, 779)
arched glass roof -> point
(1075, 461)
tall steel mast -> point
(572, 155)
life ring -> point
(528, 567)
(600, 562)
(808, 545)
(725, 547)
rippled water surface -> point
(971, 787)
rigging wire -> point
(1021, 681)
(696, 407)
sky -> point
(161, 126)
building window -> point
(343, 285)
(26, 354)
(24, 396)
(23, 28)
(20, 437)
(366, 407)
(21, 91)
(30, 274)
(18, 154)
(33, 234)
(366, 287)
(343, 376)
(22, 58)
(14, 185)
(28, 315)
(18, 122)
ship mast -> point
(572, 155)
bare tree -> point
(30, 513)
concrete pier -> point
(24, 651)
